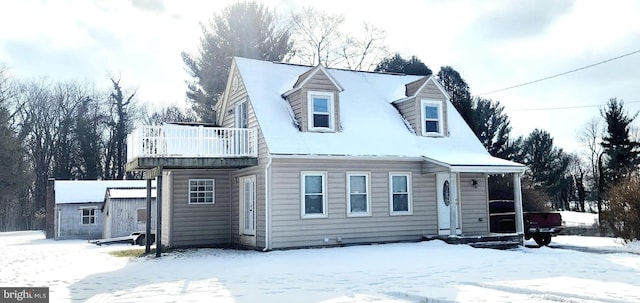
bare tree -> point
(122, 116)
(320, 38)
(168, 114)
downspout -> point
(267, 198)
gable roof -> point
(304, 78)
(370, 125)
(89, 191)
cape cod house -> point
(313, 156)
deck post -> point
(159, 214)
(147, 248)
(517, 199)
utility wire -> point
(565, 107)
(562, 74)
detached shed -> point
(125, 211)
(78, 204)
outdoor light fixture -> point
(474, 182)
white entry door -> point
(448, 206)
(248, 207)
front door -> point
(448, 206)
(248, 209)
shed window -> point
(141, 215)
(321, 114)
(400, 193)
(314, 194)
(201, 191)
(88, 216)
(432, 118)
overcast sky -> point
(493, 44)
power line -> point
(562, 74)
(566, 107)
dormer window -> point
(321, 114)
(432, 118)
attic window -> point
(320, 107)
(432, 118)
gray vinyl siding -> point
(411, 88)
(290, 230)
(409, 110)
(199, 224)
(234, 96)
(122, 216)
(473, 203)
(69, 221)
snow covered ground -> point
(77, 271)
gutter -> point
(267, 199)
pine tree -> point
(622, 153)
(397, 64)
(244, 29)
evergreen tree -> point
(492, 127)
(245, 29)
(458, 90)
(397, 64)
(621, 152)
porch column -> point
(517, 201)
(453, 205)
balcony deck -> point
(178, 146)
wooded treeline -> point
(62, 130)
(74, 131)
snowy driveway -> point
(433, 271)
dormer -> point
(425, 107)
(315, 101)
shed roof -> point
(129, 193)
(83, 191)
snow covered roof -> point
(370, 125)
(129, 193)
(83, 191)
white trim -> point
(237, 112)
(324, 195)
(432, 79)
(267, 204)
(252, 179)
(94, 215)
(213, 192)
(409, 195)
(222, 110)
(367, 193)
(311, 113)
(423, 117)
(313, 73)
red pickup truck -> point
(540, 226)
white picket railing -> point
(191, 141)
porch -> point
(187, 147)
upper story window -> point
(321, 114)
(241, 117)
(432, 118)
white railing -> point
(191, 141)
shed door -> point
(447, 196)
(248, 206)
